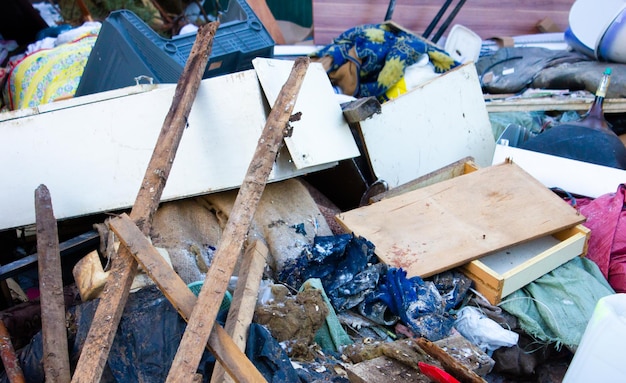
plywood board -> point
(92, 156)
(436, 228)
(319, 107)
(430, 127)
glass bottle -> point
(594, 117)
(589, 139)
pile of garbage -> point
(306, 286)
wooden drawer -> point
(499, 274)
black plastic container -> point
(127, 48)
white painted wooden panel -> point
(576, 177)
(430, 127)
(321, 112)
(93, 156)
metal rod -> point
(390, 8)
(446, 23)
(82, 243)
(431, 26)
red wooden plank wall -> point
(488, 18)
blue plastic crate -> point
(127, 48)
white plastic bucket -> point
(590, 19)
(600, 357)
(611, 45)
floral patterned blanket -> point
(50, 74)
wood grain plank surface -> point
(488, 18)
(436, 228)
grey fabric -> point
(583, 75)
(511, 70)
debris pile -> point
(365, 212)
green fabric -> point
(332, 336)
(501, 120)
(556, 307)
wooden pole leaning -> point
(229, 249)
(95, 351)
(56, 358)
(244, 301)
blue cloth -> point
(269, 357)
(418, 303)
(345, 264)
(383, 53)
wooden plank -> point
(244, 300)
(466, 353)
(455, 169)
(98, 167)
(488, 18)
(430, 127)
(451, 365)
(225, 350)
(95, 351)
(317, 95)
(361, 109)
(56, 358)
(204, 313)
(384, 369)
(450, 223)
(611, 105)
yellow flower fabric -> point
(381, 53)
(49, 74)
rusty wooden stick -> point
(9, 359)
(96, 349)
(225, 350)
(205, 311)
(56, 359)
(244, 301)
